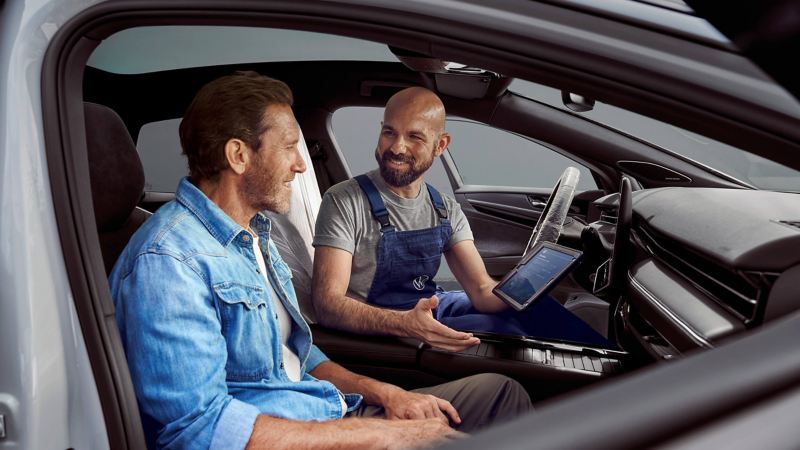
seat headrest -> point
(117, 176)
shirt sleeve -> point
(461, 229)
(315, 358)
(335, 225)
(177, 355)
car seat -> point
(117, 180)
(293, 232)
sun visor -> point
(454, 79)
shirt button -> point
(246, 238)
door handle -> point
(536, 202)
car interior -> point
(403, 362)
(658, 278)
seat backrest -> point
(117, 180)
(294, 231)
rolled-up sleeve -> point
(177, 354)
(235, 426)
(315, 358)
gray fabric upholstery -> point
(294, 252)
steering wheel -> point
(550, 223)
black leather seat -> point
(117, 180)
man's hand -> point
(401, 404)
(419, 323)
(416, 434)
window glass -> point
(159, 148)
(747, 167)
(156, 48)
(488, 156)
(482, 154)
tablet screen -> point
(535, 274)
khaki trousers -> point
(481, 400)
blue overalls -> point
(408, 260)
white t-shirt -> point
(291, 363)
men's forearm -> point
(352, 433)
(373, 391)
(484, 300)
(349, 314)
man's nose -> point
(299, 163)
(398, 145)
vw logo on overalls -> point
(419, 282)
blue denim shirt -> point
(200, 330)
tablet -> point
(538, 272)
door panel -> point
(502, 220)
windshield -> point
(747, 168)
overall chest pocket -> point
(247, 330)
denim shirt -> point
(200, 330)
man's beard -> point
(263, 189)
(401, 178)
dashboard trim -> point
(691, 332)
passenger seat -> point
(293, 232)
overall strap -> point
(376, 204)
(438, 203)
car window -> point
(156, 48)
(159, 148)
(521, 163)
(734, 162)
(514, 160)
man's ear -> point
(238, 155)
(442, 143)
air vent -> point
(653, 172)
(790, 223)
(609, 216)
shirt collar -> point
(217, 222)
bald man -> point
(380, 237)
(374, 273)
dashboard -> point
(707, 264)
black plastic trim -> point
(662, 402)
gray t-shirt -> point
(345, 221)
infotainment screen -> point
(537, 273)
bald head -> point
(412, 136)
(420, 103)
